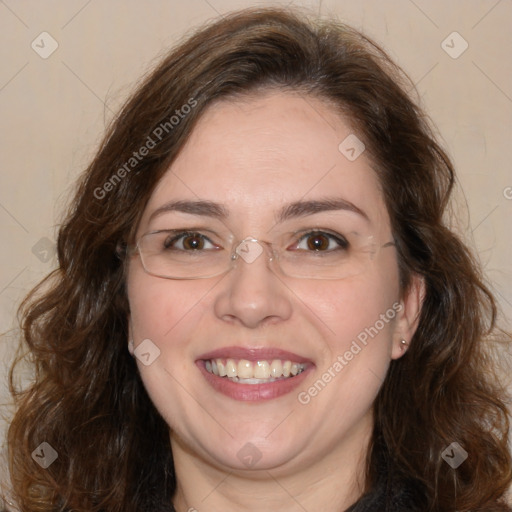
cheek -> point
(159, 307)
(166, 312)
(356, 308)
(358, 317)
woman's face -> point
(275, 170)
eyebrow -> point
(289, 211)
(304, 208)
(202, 208)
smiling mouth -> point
(244, 371)
(254, 374)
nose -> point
(251, 294)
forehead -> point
(258, 153)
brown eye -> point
(188, 242)
(318, 242)
(321, 241)
(193, 242)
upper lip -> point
(253, 354)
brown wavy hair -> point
(87, 399)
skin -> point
(266, 151)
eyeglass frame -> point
(235, 256)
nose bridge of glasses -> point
(250, 249)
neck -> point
(331, 481)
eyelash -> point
(182, 235)
(340, 240)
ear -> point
(408, 316)
(130, 337)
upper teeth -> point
(245, 369)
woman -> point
(258, 303)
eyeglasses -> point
(311, 254)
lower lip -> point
(253, 392)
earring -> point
(130, 347)
(403, 344)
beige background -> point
(54, 110)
